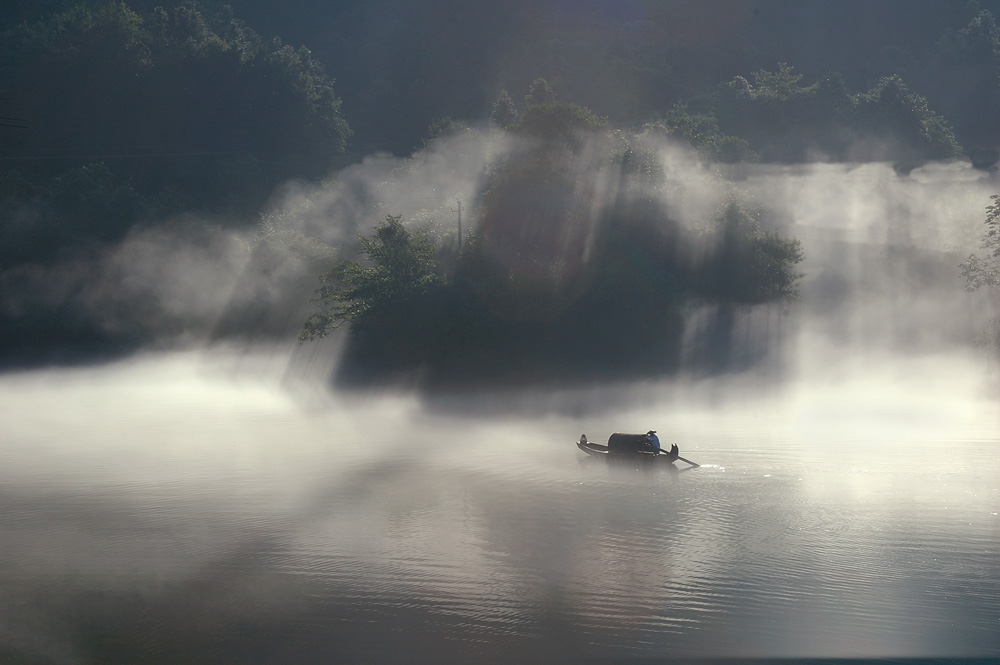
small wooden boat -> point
(632, 447)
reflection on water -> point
(173, 510)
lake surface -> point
(186, 509)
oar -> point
(688, 461)
(667, 452)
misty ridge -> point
(722, 234)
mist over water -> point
(223, 504)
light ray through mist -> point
(846, 506)
(880, 269)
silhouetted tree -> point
(965, 68)
(892, 113)
(504, 113)
(401, 268)
(227, 114)
(750, 265)
(539, 93)
(784, 121)
(984, 271)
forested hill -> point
(124, 120)
(400, 64)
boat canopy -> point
(628, 443)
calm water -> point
(180, 510)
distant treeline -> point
(118, 114)
(400, 64)
(184, 110)
(130, 112)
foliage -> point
(533, 223)
(402, 269)
(892, 112)
(445, 126)
(751, 266)
(984, 271)
(780, 85)
(539, 94)
(42, 218)
(968, 60)
(279, 237)
(702, 131)
(784, 121)
(102, 206)
(558, 122)
(504, 113)
(182, 100)
(574, 270)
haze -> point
(303, 309)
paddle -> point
(687, 460)
(667, 452)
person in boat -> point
(654, 444)
(653, 440)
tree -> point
(504, 112)
(784, 121)
(984, 271)
(966, 71)
(235, 114)
(539, 93)
(892, 112)
(780, 85)
(444, 126)
(751, 266)
(403, 270)
(702, 131)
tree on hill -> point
(539, 94)
(965, 68)
(183, 101)
(984, 271)
(399, 268)
(504, 113)
(785, 121)
(575, 270)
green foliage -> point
(702, 131)
(504, 113)
(967, 63)
(401, 270)
(984, 271)
(445, 126)
(101, 206)
(780, 119)
(750, 265)
(784, 121)
(278, 236)
(781, 85)
(533, 223)
(539, 94)
(558, 122)
(562, 279)
(41, 218)
(188, 102)
(890, 111)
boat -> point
(628, 447)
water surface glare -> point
(180, 509)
